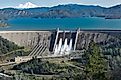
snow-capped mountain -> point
(27, 5)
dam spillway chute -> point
(64, 42)
(60, 44)
(62, 49)
(56, 50)
(69, 48)
(70, 44)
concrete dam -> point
(59, 41)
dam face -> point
(27, 38)
(61, 40)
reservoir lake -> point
(62, 23)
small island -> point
(3, 24)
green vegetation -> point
(7, 46)
(18, 52)
(91, 66)
(38, 66)
(95, 68)
(11, 55)
(60, 70)
(9, 50)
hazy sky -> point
(106, 3)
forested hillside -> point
(7, 46)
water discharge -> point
(62, 49)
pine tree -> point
(95, 68)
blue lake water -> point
(63, 23)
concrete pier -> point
(77, 33)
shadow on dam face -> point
(57, 35)
(52, 40)
(68, 36)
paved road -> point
(2, 74)
(9, 63)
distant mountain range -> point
(63, 11)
